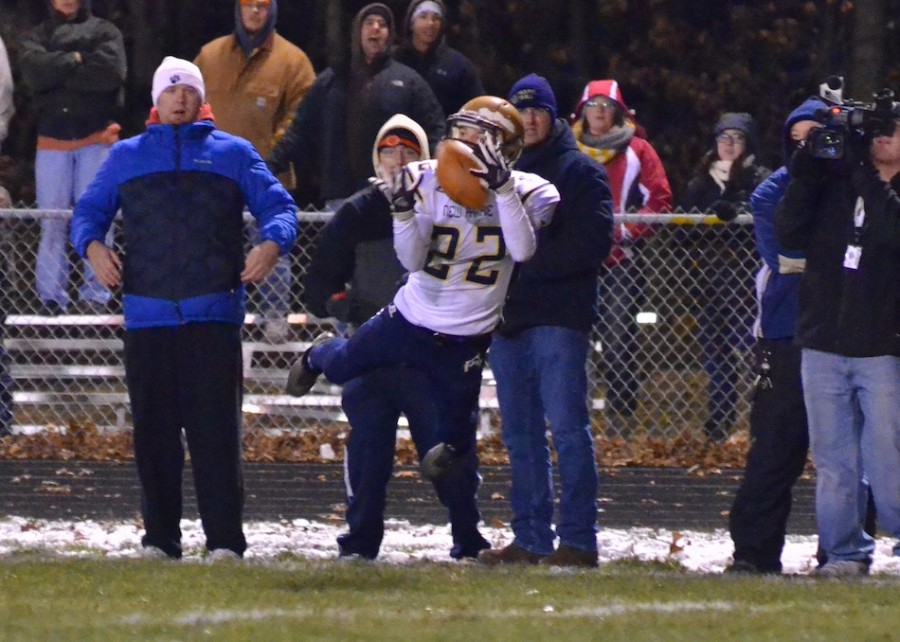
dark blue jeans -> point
(541, 379)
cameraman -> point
(845, 214)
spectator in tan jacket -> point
(255, 79)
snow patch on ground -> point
(404, 543)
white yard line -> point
(192, 619)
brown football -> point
(454, 160)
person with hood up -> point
(779, 434)
(353, 274)
(539, 351)
(255, 79)
(844, 213)
(779, 440)
(182, 187)
(450, 74)
(722, 261)
(605, 130)
(335, 126)
(460, 262)
(74, 65)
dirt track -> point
(652, 497)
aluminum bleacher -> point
(81, 376)
(82, 373)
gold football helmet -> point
(492, 115)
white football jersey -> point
(460, 261)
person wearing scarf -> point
(605, 130)
(723, 260)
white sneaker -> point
(218, 555)
(353, 558)
(154, 553)
(842, 568)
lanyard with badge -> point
(854, 249)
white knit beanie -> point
(175, 71)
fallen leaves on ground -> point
(84, 442)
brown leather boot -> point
(567, 556)
(511, 554)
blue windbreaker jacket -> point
(182, 192)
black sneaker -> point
(439, 461)
(302, 378)
(471, 548)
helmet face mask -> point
(493, 116)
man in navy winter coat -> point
(538, 353)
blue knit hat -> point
(533, 91)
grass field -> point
(291, 598)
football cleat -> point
(439, 461)
(301, 377)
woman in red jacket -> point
(605, 129)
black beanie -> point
(377, 8)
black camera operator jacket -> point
(851, 312)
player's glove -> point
(401, 192)
(494, 168)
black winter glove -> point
(494, 169)
(725, 210)
(804, 167)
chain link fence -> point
(670, 356)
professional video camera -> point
(843, 119)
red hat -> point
(601, 88)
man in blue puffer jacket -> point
(182, 187)
(778, 431)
